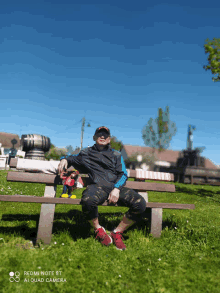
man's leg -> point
(92, 197)
(124, 225)
(137, 204)
(95, 223)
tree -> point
(70, 150)
(158, 132)
(213, 48)
(116, 144)
(55, 153)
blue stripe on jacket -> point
(124, 177)
(64, 157)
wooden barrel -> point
(35, 146)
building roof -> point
(6, 138)
(167, 155)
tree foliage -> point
(213, 49)
(116, 144)
(158, 132)
(69, 149)
(55, 153)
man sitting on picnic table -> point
(106, 169)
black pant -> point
(94, 195)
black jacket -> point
(105, 168)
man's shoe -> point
(103, 237)
(117, 238)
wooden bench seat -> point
(49, 200)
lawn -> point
(185, 259)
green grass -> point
(185, 259)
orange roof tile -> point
(6, 138)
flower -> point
(159, 259)
(119, 276)
(39, 268)
(62, 243)
(55, 243)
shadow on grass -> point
(80, 228)
(168, 224)
(75, 223)
(201, 192)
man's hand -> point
(62, 166)
(114, 196)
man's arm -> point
(121, 180)
(68, 161)
(121, 172)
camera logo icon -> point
(14, 276)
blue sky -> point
(114, 64)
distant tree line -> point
(55, 153)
